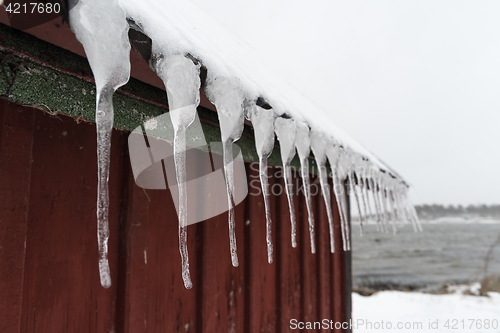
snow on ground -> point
(392, 311)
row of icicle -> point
(108, 52)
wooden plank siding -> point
(49, 279)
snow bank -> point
(437, 313)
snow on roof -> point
(179, 26)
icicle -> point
(402, 202)
(366, 190)
(402, 206)
(374, 191)
(349, 165)
(228, 96)
(361, 192)
(397, 201)
(107, 48)
(393, 210)
(342, 169)
(347, 226)
(104, 124)
(303, 145)
(383, 206)
(263, 121)
(358, 167)
(333, 155)
(319, 145)
(353, 190)
(182, 83)
(390, 204)
(380, 197)
(385, 199)
(378, 184)
(285, 131)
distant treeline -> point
(429, 212)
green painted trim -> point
(55, 80)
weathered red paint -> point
(16, 139)
(61, 291)
(48, 198)
(137, 244)
(261, 281)
(324, 261)
(288, 263)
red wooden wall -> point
(49, 278)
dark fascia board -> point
(44, 76)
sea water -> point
(442, 253)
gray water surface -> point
(442, 253)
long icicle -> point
(340, 205)
(263, 124)
(182, 82)
(373, 187)
(390, 198)
(333, 155)
(350, 164)
(108, 51)
(402, 203)
(291, 206)
(265, 191)
(303, 145)
(367, 197)
(342, 177)
(402, 207)
(375, 201)
(398, 202)
(385, 198)
(104, 124)
(360, 189)
(383, 211)
(227, 95)
(285, 131)
(319, 145)
(353, 189)
(229, 174)
(180, 173)
(343, 200)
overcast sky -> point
(415, 82)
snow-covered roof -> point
(184, 40)
(180, 27)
